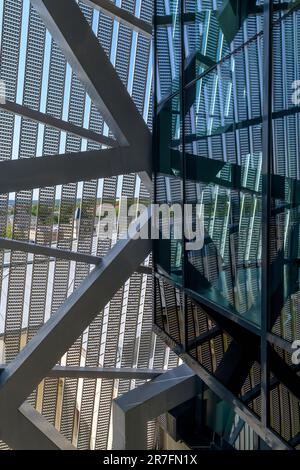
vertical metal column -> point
(155, 154)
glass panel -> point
(215, 28)
(168, 46)
(223, 158)
(169, 137)
(285, 222)
(227, 426)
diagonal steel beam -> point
(58, 334)
(31, 173)
(124, 16)
(64, 126)
(26, 429)
(207, 336)
(72, 33)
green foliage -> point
(34, 210)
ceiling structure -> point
(73, 74)
(220, 105)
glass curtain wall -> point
(226, 151)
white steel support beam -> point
(104, 373)
(80, 46)
(60, 332)
(58, 124)
(56, 253)
(134, 409)
(125, 17)
(31, 173)
(29, 430)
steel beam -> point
(60, 332)
(236, 432)
(234, 366)
(144, 270)
(58, 124)
(104, 373)
(31, 173)
(16, 245)
(238, 359)
(90, 63)
(124, 16)
(133, 410)
(55, 253)
(267, 158)
(255, 391)
(285, 374)
(27, 429)
(101, 372)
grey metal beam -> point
(26, 429)
(104, 373)
(234, 366)
(255, 391)
(16, 245)
(270, 437)
(133, 410)
(295, 441)
(60, 332)
(51, 121)
(90, 63)
(125, 17)
(236, 432)
(31, 173)
(55, 253)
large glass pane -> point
(215, 28)
(223, 158)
